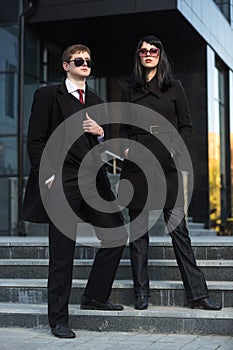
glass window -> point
(219, 158)
(4, 206)
(231, 133)
(8, 125)
(214, 154)
(8, 155)
(225, 8)
(10, 90)
(8, 80)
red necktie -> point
(81, 92)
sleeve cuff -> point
(101, 138)
(50, 179)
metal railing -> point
(107, 156)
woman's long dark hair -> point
(164, 71)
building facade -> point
(198, 37)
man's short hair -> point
(69, 51)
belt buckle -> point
(154, 129)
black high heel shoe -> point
(141, 302)
(205, 304)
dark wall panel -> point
(8, 12)
(93, 8)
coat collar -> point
(64, 101)
(63, 89)
(152, 87)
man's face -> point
(79, 65)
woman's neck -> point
(150, 73)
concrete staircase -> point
(157, 228)
(23, 280)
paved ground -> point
(16, 338)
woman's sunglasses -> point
(154, 52)
(78, 62)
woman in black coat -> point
(151, 85)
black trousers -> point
(192, 277)
(61, 255)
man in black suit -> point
(52, 105)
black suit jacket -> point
(51, 106)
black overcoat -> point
(172, 106)
(51, 106)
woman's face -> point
(149, 55)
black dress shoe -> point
(141, 302)
(62, 331)
(206, 304)
(92, 304)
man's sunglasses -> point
(78, 62)
(154, 52)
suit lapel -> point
(137, 94)
(68, 103)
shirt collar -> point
(71, 87)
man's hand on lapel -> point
(89, 125)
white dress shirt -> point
(72, 89)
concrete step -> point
(218, 270)
(154, 320)
(195, 225)
(196, 232)
(163, 293)
(157, 226)
(195, 229)
(160, 248)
